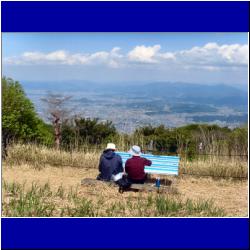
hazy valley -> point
(130, 105)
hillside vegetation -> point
(21, 123)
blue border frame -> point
(125, 16)
(21, 233)
(175, 233)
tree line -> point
(20, 122)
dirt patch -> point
(230, 195)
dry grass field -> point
(33, 187)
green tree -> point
(162, 139)
(84, 130)
(238, 143)
(19, 119)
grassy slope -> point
(195, 196)
(44, 182)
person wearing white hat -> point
(134, 166)
(111, 146)
(110, 164)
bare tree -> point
(58, 110)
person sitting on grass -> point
(134, 167)
(110, 164)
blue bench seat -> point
(164, 165)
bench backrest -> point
(168, 165)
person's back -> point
(110, 163)
(134, 166)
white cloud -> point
(235, 53)
(167, 55)
(144, 54)
(32, 56)
(210, 57)
(56, 56)
(214, 55)
(63, 57)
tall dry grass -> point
(40, 156)
(215, 166)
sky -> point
(205, 58)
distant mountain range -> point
(220, 94)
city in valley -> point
(130, 106)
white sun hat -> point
(111, 146)
(135, 150)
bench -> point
(164, 165)
(161, 165)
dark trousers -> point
(142, 181)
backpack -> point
(123, 183)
